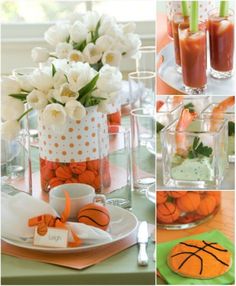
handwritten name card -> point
(55, 237)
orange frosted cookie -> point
(199, 259)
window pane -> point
(38, 11)
(127, 10)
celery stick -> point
(194, 17)
(184, 8)
(224, 8)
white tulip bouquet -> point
(97, 40)
(58, 90)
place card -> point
(55, 237)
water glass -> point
(142, 89)
(146, 59)
(195, 157)
(16, 163)
(143, 162)
(116, 168)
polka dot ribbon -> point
(46, 220)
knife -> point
(142, 241)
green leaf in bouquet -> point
(91, 101)
(80, 46)
(231, 128)
(97, 66)
(159, 127)
(53, 70)
(96, 33)
(20, 96)
(88, 87)
(68, 39)
(54, 100)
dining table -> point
(121, 268)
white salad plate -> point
(167, 73)
(122, 224)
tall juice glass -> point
(178, 19)
(193, 55)
(221, 37)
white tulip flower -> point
(132, 44)
(110, 27)
(9, 85)
(111, 58)
(92, 53)
(75, 110)
(109, 105)
(65, 94)
(10, 130)
(75, 16)
(78, 32)
(110, 79)
(37, 99)
(57, 34)
(25, 82)
(54, 115)
(11, 108)
(104, 43)
(79, 75)
(91, 19)
(75, 56)
(59, 79)
(42, 80)
(40, 55)
(63, 50)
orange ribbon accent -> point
(44, 221)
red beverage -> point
(178, 18)
(221, 35)
(169, 28)
(193, 59)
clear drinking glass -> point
(229, 115)
(193, 53)
(142, 89)
(196, 157)
(146, 59)
(178, 18)
(116, 169)
(221, 37)
(164, 116)
(143, 163)
(16, 163)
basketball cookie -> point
(199, 259)
(94, 215)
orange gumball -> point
(161, 197)
(216, 195)
(189, 202)
(167, 213)
(207, 205)
(176, 194)
(94, 215)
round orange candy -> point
(176, 194)
(167, 212)
(216, 195)
(207, 205)
(161, 197)
(189, 202)
(94, 215)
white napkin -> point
(17, 209)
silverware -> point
(142, 240)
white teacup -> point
(80, 195)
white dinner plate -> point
(122, 224)
(151, 194)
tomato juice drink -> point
(193, 52)
(221, 37)
(178, 19)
